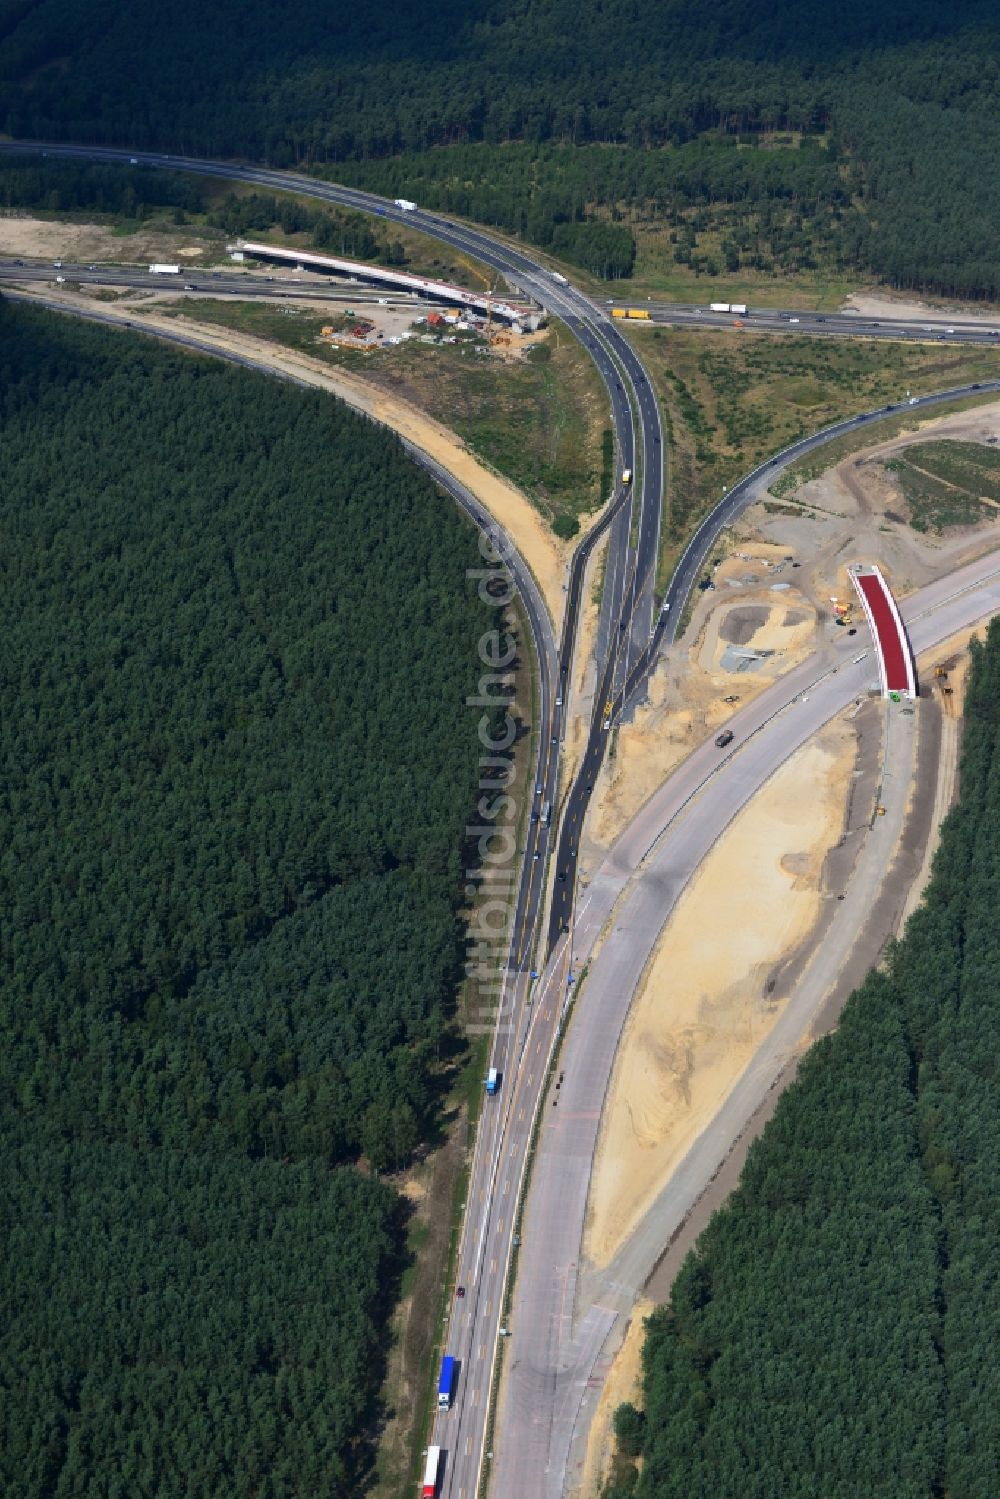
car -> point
(18, 262)
(562, 874)
(821, 320)
(57, 264)
(133, 161)
(793, 319)
(537, 855)
(977, 387)
(724, 739)
(460, 1292)
(534, 816)
(949, 330)
(188, 286)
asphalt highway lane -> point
(823, 324)
(563, 1311)
(532, 1010)
(744, 493)
(206, 283)
(475, 1335)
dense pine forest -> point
(835, 1331)
(236, 770)
(883, 118)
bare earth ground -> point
(48, 239)
(851, 513)
(689, 1034)
(686, 696)
(624, 1382)
(933, 791)
(508, 506)
(875, 304)
(707, 1003)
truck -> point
(738, 307)
(157, 269)
(406, 204)
(492, 1081)
(638, 312)
(626, 476)
(618, 312)
(561, 279)
(546, 814)
(446, 1384)
(431, 1467)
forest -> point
(879, 125)
(237, 771)
(834, 1332)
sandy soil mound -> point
(713, 989)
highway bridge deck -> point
(895, 660)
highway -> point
(619, 366)
(565, 1313)
(487, 1229)
(208, 283)
(532, 1010)
(822, 324)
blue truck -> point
(446, 1384)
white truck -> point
(738, 307)
(561, 279)
(406, 204)
(165, 270)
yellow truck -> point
(638, 312)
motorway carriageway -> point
(819, 324)
(563, 1311)
(625, 378)
(213, 284)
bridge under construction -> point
(519, 314)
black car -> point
(724, 738)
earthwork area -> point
(728, 960)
